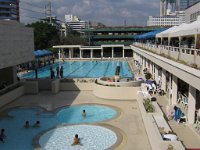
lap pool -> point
(84, 69)
(20, 138)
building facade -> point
(75, 23)
(9, 10)
(173, 20)
(17, 46)
(192, 13)
(113, 35)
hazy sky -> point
(109, 12)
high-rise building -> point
(175, 5)
(163, 21)
(75, 23)
(192, 12)
(9, 10)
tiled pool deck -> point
(129, 121)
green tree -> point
(45, 35)
(74, 38)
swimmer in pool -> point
(76, 140)
(84, 113)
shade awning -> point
(149, 35)
(41, 53)
(166, 32)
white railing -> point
(188, 56)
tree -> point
(74, 38)
(45, 35)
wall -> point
(121, 84)
(76, 86)
(118, 93)
(16, 42)
(191, 10)
(31, 87)
(6, 74)
(12, 95)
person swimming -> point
(26, 125)
(37, 124)
(2, 135)
(76, 140)
(84, 113)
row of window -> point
(194, 16)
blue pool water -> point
(92, 111)
(86, 69)
(92, 137)
(19, 138)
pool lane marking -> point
(92, 68)
(76, 69)
(106, 69)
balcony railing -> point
(187, 56)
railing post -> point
(195, 55)
(179, 53)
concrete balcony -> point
(187, 56)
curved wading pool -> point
(20, 138)
(91, 138)
(94, 113)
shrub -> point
(194, 66)
(148, 105)
(148, 76)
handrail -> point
(166, 50)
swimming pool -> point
(84, 69)
(20, 138)
(94, 113)
(91, 137)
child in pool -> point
(37, 124)
(77, 140)
(26, 125)
(2, 135)
(84, 113)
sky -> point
(108, 12)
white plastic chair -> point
(179, 98)
(185, 102)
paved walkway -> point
(185, 133)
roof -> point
(119, 29)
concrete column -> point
(143, 63)
(156, 73)
(102, 53)
(70, 53)
(174, 90)
(150, 67)
(191, 105)
(123, 53)
(91, 53)
(80, 53)
(112, 52)
(59, 54)
(163, 80)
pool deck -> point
(129, 122)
